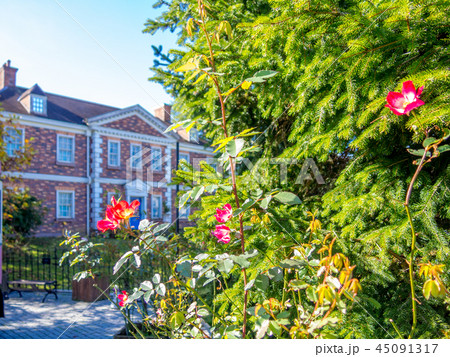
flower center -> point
(406, 103)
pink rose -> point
(222, 233)
(407, 100)
(224, 214)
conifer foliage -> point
(336, 62)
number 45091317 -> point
(407, 348)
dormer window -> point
(37, 105)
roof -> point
(60, 108)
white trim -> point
(47, 123)
(58, 136)
(131, 135)
(127, 112)
(160, 207)
(45, 177)
(57, 203)
(118, 153)
(138, 167)
(196, 148)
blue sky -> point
(88, 49)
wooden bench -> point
(33, 285)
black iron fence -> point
(43, 264)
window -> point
(37, 105)
(136, 156)
(113, 153)
(184, 156)
(184, 212)
(156, 159)
(65, 148)
(156, 206)
(65, 204)
(13, 140)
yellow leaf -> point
(186, 67)
(199, 79)
(229, 91)
(246, 85)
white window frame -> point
(131, 156)
(58, 158)
(44, 104)
(118, 153)
(160, 213)
(22, 143)
(152, 153)
(58, 216)
(184, 212)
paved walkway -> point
(27, 318)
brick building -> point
(85, 152)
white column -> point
(96, 173)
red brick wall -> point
(134, 124)
(45, 159)
(46, 191)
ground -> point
(28, 317)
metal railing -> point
(43, 264)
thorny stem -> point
(232, 163)
(413, 243)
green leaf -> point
(428, 142)
(311, 294)
(275, 328)
(135, 296)
(262, 282)
(197, 192)
(265, 202)
(234, 147)
(161, 289)
(177, 319)
(444, 148)
(241, 260)
(184, 198)
(298, 284)
(287, 198)
(275, 274)
(292, 263)
(161, 227)
(225, 265)
(265, 74)
(263, 329)
(184, 269)
(419, 152)
(121, 261)
(146, 285)
(148, 295)
(249, 285)
(156, 278)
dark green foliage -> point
(22, 212)
(336, 63)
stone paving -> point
(28, 317)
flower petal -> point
(395, 100)
(399, 111)
(409, 91)
(415, 104)
(419, 92)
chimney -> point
(7, 75)
(163, 113)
